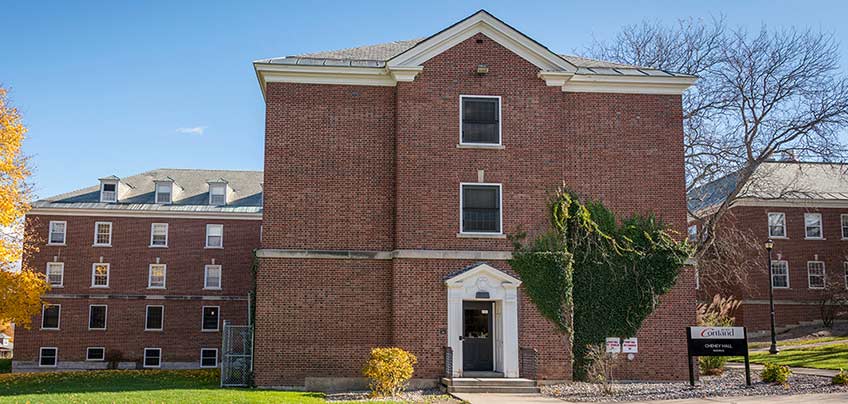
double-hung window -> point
(210, 318)
(844, 219)
(481, 120)
(208, 357)
(97, 316)
(109, 192)
(154, 318)
(845, 271)
(48, 357)
(152, 357)
(57, 233)
(156, 276)
(218, 193)
(164, 192)
(50, 316)
(100, 275)
(212, 277)
(56, 274)
(214, 235)
(480, 211)
(813, 226)
(159, 235)
(780, 274)
(95, 354)
(815, 275)
(103, 234)
(777, 224)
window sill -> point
(97, 329)
(211, 288)
(209, 330)
(99, 287)
(481, 235)
(101, 245)
(156, 288)
(814, 238)
(812, 288)
(158, 246)
(213, 248)
(780, 287)
(480, 146)
(779, 237)
(56, 286)
(51, 329)
(146, 330)
(57, 244)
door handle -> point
(461, 338)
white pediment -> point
(484, 23)
(483, 273)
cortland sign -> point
(717, 341)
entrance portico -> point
(483, 321)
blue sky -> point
(119, 87)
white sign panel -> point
(630, 345)
(613, 345)
(717, 332)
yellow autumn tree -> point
(21, 288)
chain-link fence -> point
(237, 349)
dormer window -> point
(164, 191)
(217, 193)
(109, 189)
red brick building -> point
(394, 173)
(143, 269)
(803, 208)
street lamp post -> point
(773, 348)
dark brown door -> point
(477, 348)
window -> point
(481, 208)
(777, 224)
(815, 275)
(56, 274)
(48, 357)
(693, 233)
(152, 357)
(210, 318)
(813, 225)
(163, 192)
(209, 357)
(50, 316)
(212, 277)
(217, 194)
(100, 275)
(95, 354)
(57, 233)
(480, 120)
(214, 235)
(780, 274)
(844, 226)
(97, 317)
(108, 192)
(156, 276)
(155, 318)
(845, 270)
(103, 234)
(159, 235)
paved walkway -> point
(484, 398)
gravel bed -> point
(434, 396)
(731, 383)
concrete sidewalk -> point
(484, 398)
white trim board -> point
(144, 213)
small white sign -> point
(630, 345)
(613, 345)
(717, 332)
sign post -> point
(717, 341)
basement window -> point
(152, 357)
(208, 358)
(480, 120)
(48, 357)
(95, 354)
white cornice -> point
(792, 203)
(144, 213)
(555, 79)
(583, 83)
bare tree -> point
(759, 96)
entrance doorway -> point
(477, 336)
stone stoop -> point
(489, 385)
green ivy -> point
(620, 268)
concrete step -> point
(495, 382)
(493, 389)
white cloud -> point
(197, 130)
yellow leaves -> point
(20, 296)
(389, 369)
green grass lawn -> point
(136, 386)
(5, 365)
(823, 357)
(797, 342)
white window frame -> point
(64, 232)
(105, 317)
(216, 357)
(843, 218)
(209, 226)
(58, 320)
(845, 272)
(500, 122)
(61, 266)
(103, 192)
(88, 357)
(218, 185)
(150, 276)
(821, 226)
(500, 205)
(96, 228)
(788, 285)
(55, 357)
(217, 323)
(768, 225)
(156, 192)
(93, 273)
(810, 276)
(147, 310)
(144, 358)
(206, 269)
(152, 227)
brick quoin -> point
(350, 167)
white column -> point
(455, 327)
(510, 330)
